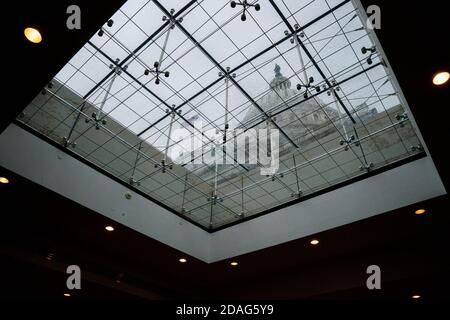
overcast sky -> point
(137, 19)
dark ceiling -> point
(409, 248)
(412, 250)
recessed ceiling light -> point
(416, 296)
(182, 260)
(420, 211)
(234, 263)
(109, 228)
(441, 78)
(4, 180)
(32, 35)
(314, 242)
(66, 294)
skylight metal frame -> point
(141, 157)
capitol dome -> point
(303, 116)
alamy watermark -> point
(374, 280)
(374, 17)
(73, 22)
(74, 279)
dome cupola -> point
(280, 82)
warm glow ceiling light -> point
(420, 211)
(66, 294)
(33, 35)
(314, 242)
(441, 78)
(109, 228)
(4, 180)
(234, 263)
(183, 260)
(416, 296)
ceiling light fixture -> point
(183, 260)
(4, 180)
(420, 211)
(234, 263)
(66, 294)
(416, 296)
(32, 35)
(109, 228)
(314, 242)
(441, 78)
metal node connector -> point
(245, 5)
(67, 143)
(367, 167)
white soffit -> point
(31, 157)
(330, 92)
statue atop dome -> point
(277, 71)
(280, 82)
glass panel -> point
(178, 84)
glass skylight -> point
(309, 69)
